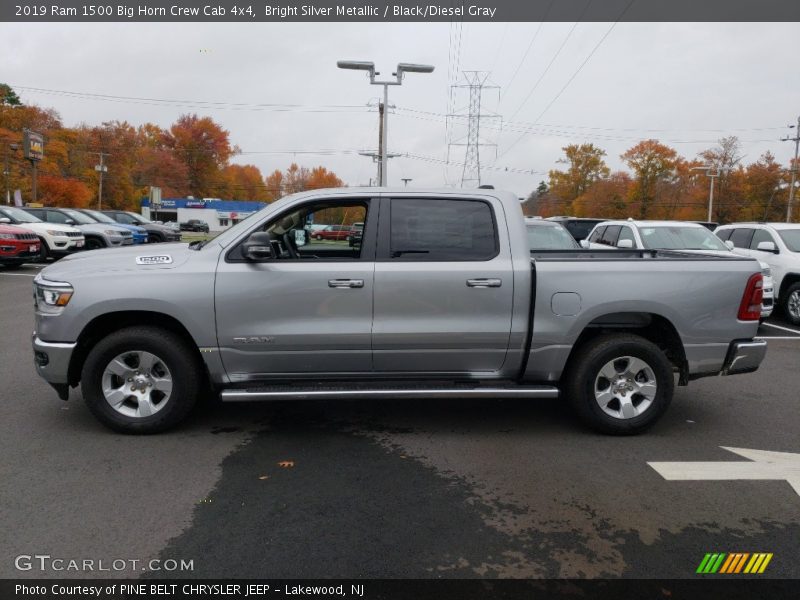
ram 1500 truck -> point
(443, 298)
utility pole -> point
(796, 140)
(7, 171)
(712, 173)
(381, 137)
(102, 169)
(402, 69)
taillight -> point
(750, 308)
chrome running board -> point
(366, 393)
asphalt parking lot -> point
(411, 489)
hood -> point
(51, 227)
(108, 260)
(133, 228)
(14, 229)
(101, 228)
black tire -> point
(93, 243)
(44, 250)
(584, 370)
(178, 356)
(792, 315)
(155, 238)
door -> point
(443, 287)
(308, 309)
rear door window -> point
(442, 230)
(597, 234)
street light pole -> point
(402, 69)
(796, 140)
(712, 173)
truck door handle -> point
(346, 283)
(484, 283)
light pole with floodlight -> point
(402, 69)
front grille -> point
(27, 236)
(73, 234)
(126, 234)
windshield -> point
(20, 215)
(137, 219)
(78, 217)
(550, 237)
(674, 237)
(791, 237)
(100, 217)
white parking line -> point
(781, 327)
(18, 274)
(778, 337)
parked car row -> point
(349, 233)
(775, 245)
(32, 233)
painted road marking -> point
(781, 327)
(763, 465)
(778, 337)
(18, 274)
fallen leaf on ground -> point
(286, 464)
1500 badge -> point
(163, 259)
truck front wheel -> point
(141, 380)
(791, 305)
(620, 384)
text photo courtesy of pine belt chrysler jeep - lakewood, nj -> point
(440, 297)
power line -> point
(530, 45)
(553, 60)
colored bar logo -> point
(734, 562)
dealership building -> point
(219, 214)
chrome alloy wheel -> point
(793, 304)
(137, 384)
(625, 387)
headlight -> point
(56, 233)
(51, 297)
(8, 236)
(112, 232)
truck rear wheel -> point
(620, 384)
(141, 380)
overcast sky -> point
(686, 84)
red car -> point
(332, 232)
(17, 246)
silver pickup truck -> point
(441, 297)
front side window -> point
(741, 237)
(610, 235)
(442, 230)
(53, 216)
(597, 234)
(626, 233)
(294, 235)
(761, 235)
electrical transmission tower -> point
(475, 83)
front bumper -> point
(52, 360)
(744, 356)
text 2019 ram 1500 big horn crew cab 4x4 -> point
(442, 298)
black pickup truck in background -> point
(194, 225)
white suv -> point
(778, 245)
(684, 236)
(57, 240)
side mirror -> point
(257, 247)
(69, 222)
(767, 247)
(625, 244)
(584, 244)
(729, 245)
(5, 220)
